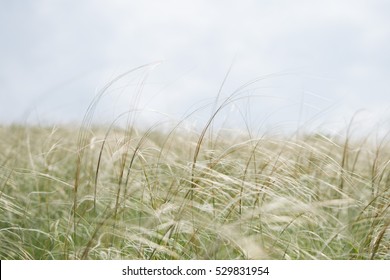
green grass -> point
(123, 193)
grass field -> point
(123, 193)
(174, 191)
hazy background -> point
(326, 60)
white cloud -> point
(342, 43)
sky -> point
(284, 63)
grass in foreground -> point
(126, 194)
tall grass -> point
(121, 192)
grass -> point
(120, 192)
(143, 195)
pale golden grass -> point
(144, 195)
(176, 192)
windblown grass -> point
(121, 192)
(145, 195)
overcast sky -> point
(321, 60)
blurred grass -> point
(149, 194)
